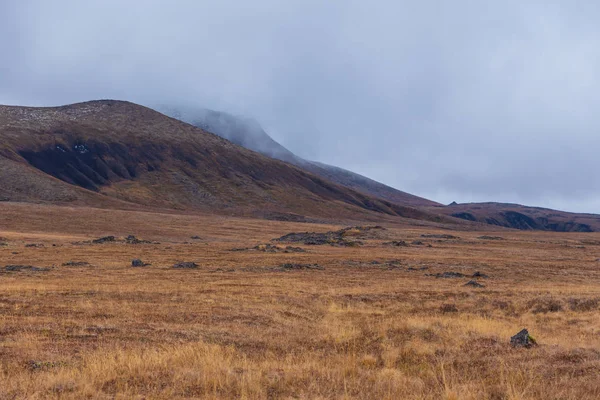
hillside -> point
(248, 133)
(522, 217)
(105, 151)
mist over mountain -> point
(248, 133)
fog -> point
(462, 100)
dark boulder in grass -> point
(523, 339)
(136, 262)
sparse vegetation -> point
(355, 329)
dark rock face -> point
(186, 265)
(523, 339)
(465, 215)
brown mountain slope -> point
(97, 151)
(248, 133)
(522, 217)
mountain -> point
(521, 217)
(114, 152)
(248, 133)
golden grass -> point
(237, 327)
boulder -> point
(523, 339)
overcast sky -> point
(450, 100)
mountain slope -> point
(108, 150)
(249, 134)
(522, 217)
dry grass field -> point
(370, 324)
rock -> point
(133, 240)
(185, 265)
(196, 237)
(333, 238)
(289, 266)
(474, 284)
(479, 275)
(396, 243)
(136, 262)
(439, 236)
(485, 237)
(447, 275)
(418, 243)
(34, 245)
(523, 339)
(76, 264)
(18, 268)
(104, 239)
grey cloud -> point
(464, 100)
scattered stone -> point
(269, 248)
(136, 262)
(104, 239)
(333, 238)
(485, 237)
(447, 275)
(18, 268)
(418, 243)
(439, 236)
(133, 240)
(76, 264)
(185, 265)
(474, 284)
(289, 266)
(396, 243)
(523, 339)
(34, 245)
(479, 275)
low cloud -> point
(465, 100)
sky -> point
(450, 100)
